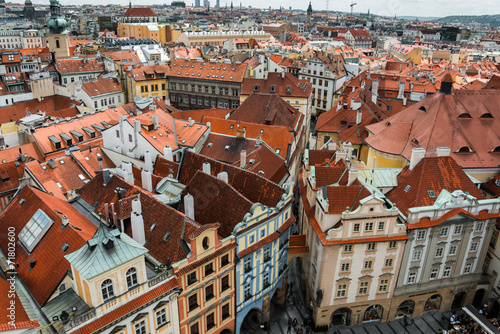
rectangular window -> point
(444, 232)
(383, 285)
(439, 252)
(224, 283)
(453, 250)
(210, 321)
(247, 291)
(447, 272)
(265, 280)
(348, 248)
(194, 329)
(388, 263)
(225, 311)
(381, 226)
(209, 292)
(130, 138)
(341, 290)
(267, 254)
(392, 244)
(140, 327)
(369, 226)
(95, 104)
(191, 278)
(412, 277)
(247, 264)
(458, 229)
(224, 260)
(416, 255)
(494, 238)
(479, 226)
(363, 288)
(473, 247)
(368, 265)
(161, 317)
(421, 235)
(345, 267)
(356, 227)
(371, 246)
(117, 133)
(468, 268)
(193, 302)
(434, 273)
(209, 268)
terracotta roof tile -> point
(426, 222)
(65, 66)
(204, 260)
(102, 86)
(51, 266)
(321, 157)
(164, 167)
(128, 308)
(30, 149)
(432, 173)
(285, 85)
(139, 12)
(51, 105)
(208, 71)
(153, 72)
(342, 197)
(251, 185)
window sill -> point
(209, 297)
(193, 308)
(224, 288)
(225, 316)
(163, 325)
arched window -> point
(107, 289)
(131, 278)
(58, 45)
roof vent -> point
(407, 188)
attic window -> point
(273, 89)
(431, 193)
(251, 161)
(465, 149)
(343, 123)
(81, 177)
(89, 131)
(77, 135)
(415, 140)
(486, 115)
(231, 127)
(422, 108)
(65, 247)
(256, 88)
(35, 229)
(278, 150)
(464, 115)
(210, 144)
(388, 123)
(56, 142)
(167, 235)
(226, 147)
(407, 188)
(289, 90)
(152, 227)
(496, 149)
(261, 131)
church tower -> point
(58, 34)
(309, 10)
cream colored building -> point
(219, 37)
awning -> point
(480, 319)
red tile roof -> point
(65, 66)
(426, 222)
(139, 12)
(251, 185)
(51, 266)
(285, 85)
(128, 309)
(321, 157)
(207, 71)
(102, 86)
(204, 260)
(462, 119)
(153, 72)
(21, 317)
(164, 167)
(164, 218)
(267, 109)
(30, 149)
(432, 173)
(345, 197)
(52, 106)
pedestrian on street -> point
(289, 330)
(295, 322)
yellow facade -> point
(147, 88)
(384, 160)
(138, 30)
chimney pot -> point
(417, 154)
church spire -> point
(130, 4)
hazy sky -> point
(381, 7)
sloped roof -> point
(464, 118)
(267, 109)
(54, 106)
(432, 173)
(66, 66)
(153, 72)
(320, 157)
(102, 86)
(51, 266)
(139, 11)
(12, 153)
(96, 257)
(164, 218)
(251, 185)
(345, 197)
(285, 85)
(207, 71)
(211, 198)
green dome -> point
(57, 25)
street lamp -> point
(407, 322)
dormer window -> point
(496, 149)
(131, 278)
(107, 290)
(465, 149)
(256, 88)
(67, 139)
(273, 89)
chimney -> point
(191, 121)
(443, 151)
(206, 168)
(52, 163)
(340, 154)
(167, 153)
(417, 154)
(401, 91)
(359, 116)
(189, 206)
(353, 175)
(258, 140)
(137, 127)
(100, 162)
(223, 176)
(137, 222)
(243, 159)
(128, 175)
(375, 87)
(240, 133)
(154, 118)
(106, 177)
(148, 162)
(65, 220)
(147, 182)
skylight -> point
(408, 187)
(431, 193)
(35, 229)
